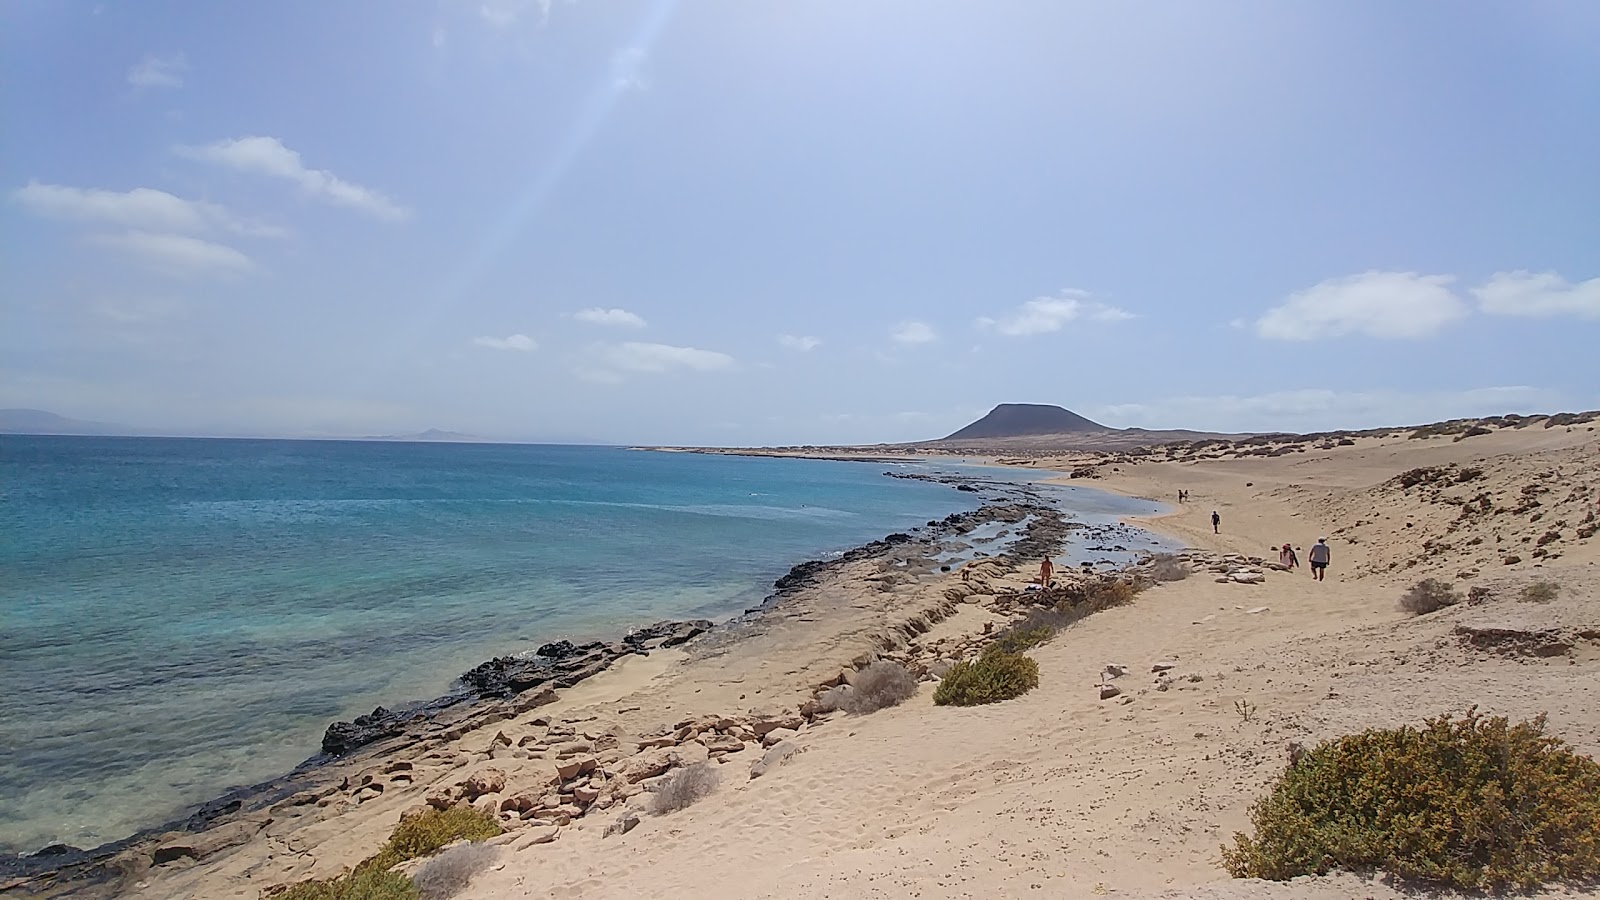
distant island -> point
(432, 434)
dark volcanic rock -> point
(558, 650)
(564, 664)
(342, 737)
(667, 634)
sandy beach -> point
(1056, 793)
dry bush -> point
(684, 788)
(1167, 567)
(449, 873)
(993, 677)
(880, 685)
(1039, 626)
(1473, 803)
(1540, 592)
(1083, 601)
(1429, 595)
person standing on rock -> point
(1216, 523)
(1046, 570)
(1320, 556)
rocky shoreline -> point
(508, 686)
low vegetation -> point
(1429, 595)
(685, 787)
(375, 884)
(414, 837)
(1474, 803)
(431, 831)
(1540, 592)
(1167, 567)
(879, 686)
(996, 675)
(449, 873)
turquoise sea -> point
(181, 616)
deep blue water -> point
(181, 616)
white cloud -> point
(913, 333)
(1043, 315)
(1523, 293)
(1387, 305)
(519, 342)
(176, 254)
(159, 72)
(627, 70)
(1321, 409)
(612, 317)
(801, 342)
(268, 156)
(613, 363)
(506, 13)
(140, 208)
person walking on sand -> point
(1287, 558)
(1320, 556)
(1216, 523)
(1047, 569)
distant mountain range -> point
(38, 421)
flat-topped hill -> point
(1024, 420)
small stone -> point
(721, 743)
(776, 735)
(1257, 610)
(1107, 691)
(485, 781)
(1115, 670)
(624, 824)
(541, 834)
(572, 768)
(1163, 667)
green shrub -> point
(430, 831)
(375, 884)
(1473, 803)
(417, 836)
(993, 677)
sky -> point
(754, 222)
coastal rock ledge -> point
(560, 664)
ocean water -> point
(182, 616)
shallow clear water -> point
(182, 616)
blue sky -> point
(763, 222)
